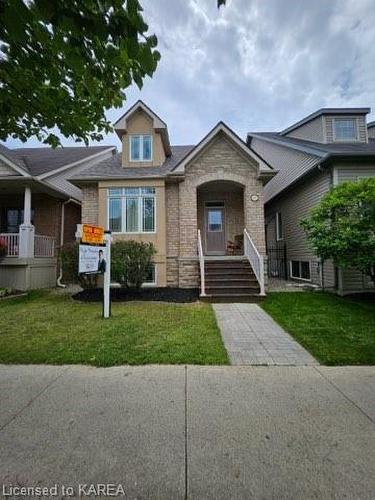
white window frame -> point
(297, 277)
(123, 199)
(279, 237)
(345, 118)
(140, 159)
(147, 284)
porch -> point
(230, 264)
(28, 229)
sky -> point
(258, 65)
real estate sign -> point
(94, 235)
(91, 258)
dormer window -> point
(345, 129)
(140, 147)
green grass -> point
(337, 331)
(49, 328)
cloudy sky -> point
(255, 64)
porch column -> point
(27, 230)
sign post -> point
(107, 276)
(95, 258)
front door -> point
(215, 230)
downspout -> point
(70, 200)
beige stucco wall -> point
(141, 123)
(158, 238)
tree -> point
(63, 63)
(342, 226)
(131, 262)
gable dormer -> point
(144, 137)
(331, 125)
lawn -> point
(337, 331)
(46, 327)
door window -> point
(215, 220)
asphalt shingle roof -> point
(112, 168)
(42, 160)
(11, 156)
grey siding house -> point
(330, 146)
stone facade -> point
(220, 161)
(90, 204)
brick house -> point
(201, 206)
(39, 209)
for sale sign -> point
(93, 235)
(92, 259)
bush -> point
(3, 249)
(131, 261)
(69, 256)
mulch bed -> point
(145, 294)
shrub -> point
(3, 249)
(69, 256)
(131, 261)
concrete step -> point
(230, 280)
(229, 299)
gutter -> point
(62, 227)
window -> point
(279, 226)
(151, 276)
(345, 129)
(215, 220)
(140, 147)
(131, 210)
(300, 269)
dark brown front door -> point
(215, 230)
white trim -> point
(141, 159)
(335, 176)
(278, 219)
(14, 166)
(297, 277)
(221, 127)
(75, 163)
(123, 199)
(345, 118)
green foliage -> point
(69, 257)
(63, 63)
(131, 261)
(342, 226)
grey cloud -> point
(256, 65)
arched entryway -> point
(220, 217)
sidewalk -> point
(175, 432)
(252, 337)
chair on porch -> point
(235, 247)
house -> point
(313, 155)
(39, 209)
(200, 205)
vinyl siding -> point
(371, 132)
(361, 123)
(311, 131)
(6, 170)
(295, 205)
(291, 165)
(353, 280)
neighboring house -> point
(327, 147)
(185, 200)
(39, 209)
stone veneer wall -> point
(219, 161)
(173, 233)
(90, 205)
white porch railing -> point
(255, 259)
(201, 263)
(12, 241)
(44, 246)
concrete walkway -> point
(176, 432)
(252, 337)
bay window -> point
(131, 210)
